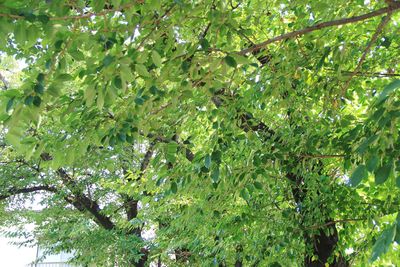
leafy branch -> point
(392, 8)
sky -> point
(12, 256)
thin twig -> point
(378, 31)
(156, 22)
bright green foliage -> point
(238, 133)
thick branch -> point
(394, 7)
(16, 191)
(81, 200)
(130, 203)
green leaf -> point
(126, 74)
(387, 90)
(258, 185)
(100, 99)
(359, 174)
(216, 156)
(185, 66)
(383, 243)
(37, 101)
(215, 175)
(204, 44)
(372, 163)
(121, 136)
(90, 94)
(327, 50)
(20, 34)
(157, 60)
(39, 88)
(171, 151)
(382, 174)
(108, 60)
(230, 61)
(40, 78)
(397, 237)
(98, 5)
(54, 89)
(9, 104)
(398, 182)
(245, 194)
(28, 100)
(44, 19)
(117, 82)
(64, 77)
(142, 70)
(139, 101)
(174, 187)
(207, 161)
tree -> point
(239, 133)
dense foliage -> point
(203, 133)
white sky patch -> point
(14, 256)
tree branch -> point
(16, 191)
(395, 6)
(81, 200)
(130, 203)
(368, 74)
(378, 31)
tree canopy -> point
(203, 133)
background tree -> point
(236, 133)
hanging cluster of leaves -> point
(203, 133)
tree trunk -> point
(322, 244)
(323, 247)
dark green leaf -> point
(258, 185)
(117, 82)
(382, 173)
(327, 50)
(245, 194)
(29, 100)
(174, 187)
(387, 90)
(121, 136)
(215, 175)
(230, 61)
(207, 161)
(40, 78)
(383, 243)
(9, 104)
(37, 101)
(108, 60)
(204, 44)
(372, 163)
(216, 156)
(39, 88)
(185, 66)
(43, 18)
(139, 101)
(359, 174)
(64, 77)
